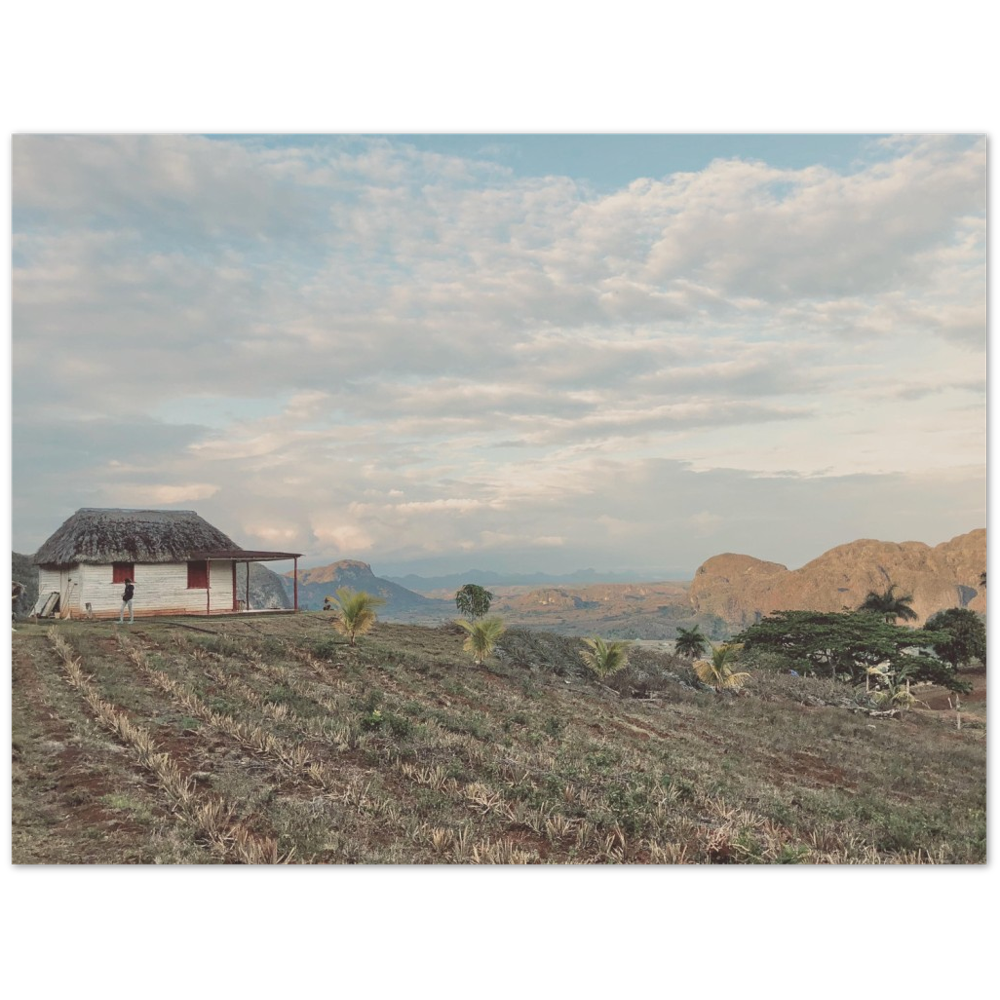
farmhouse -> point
(180, 564)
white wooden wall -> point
(69, 582)
(160, 589)
(52, 579)
(220, 579)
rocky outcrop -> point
(266, 587)
(316, 584)
(550, 598)
(741, 589)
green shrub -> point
(372, 720)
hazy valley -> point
(728, 592)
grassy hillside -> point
(264, 740)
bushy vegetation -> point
(963, 636)
(25, 572)
(605, 658)
(482, 637)
(847, 644)
(718, 672)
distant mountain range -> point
(488, 578)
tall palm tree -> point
(484, 633)
(889, 605)
(689, 642)
(717, 671)
(355, 612)
(605, 658)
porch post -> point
(236, 605)
(247, 607)
(295, 574)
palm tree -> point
(605, 658)
(483, 636)
(889, 605)
(689, 642)
(717, 671)
(355, 612)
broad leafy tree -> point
(889, 604)
(605, 658)
(966, 636)
(690, 642)
(355, 612)
(848, 644)
(473, 600)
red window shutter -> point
(122, 571)
(198, 575)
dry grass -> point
(274, 740)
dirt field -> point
(273, 740)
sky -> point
(521, 353)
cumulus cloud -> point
(435, 354)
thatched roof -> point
(100, 536)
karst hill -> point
(740, 588)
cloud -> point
(344, 538)
(158, 494)
(705, 522)
(427, 353)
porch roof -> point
(246, 555)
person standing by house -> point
(127, 596)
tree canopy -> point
(966, 636)
(690, 642)
(473, 600)
(890, 605)
(848, 643)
